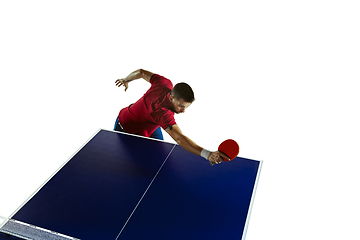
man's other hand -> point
(122, 82)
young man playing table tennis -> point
(156, 109)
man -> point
(156, 110)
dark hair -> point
(183, 91)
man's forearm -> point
(133, 76)
(189, 145)
(140, 73)
(185, 142)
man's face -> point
(179, 105)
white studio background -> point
(280, 77)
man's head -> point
(181, 97)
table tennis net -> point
(27, 231)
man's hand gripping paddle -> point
(230, 147)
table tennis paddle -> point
(230, 147)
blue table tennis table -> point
(122, 186)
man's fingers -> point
(118, 82)
(224, 156)
(218, 157)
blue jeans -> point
(157, 134)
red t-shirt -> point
(154, 109)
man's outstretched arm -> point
(140, 73)
(186, 143)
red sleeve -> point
(156, 79)
(167, 122)
(160, 86)
(153, 78)
(164, 118)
